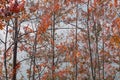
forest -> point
(59, 39)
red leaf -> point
(16, 7)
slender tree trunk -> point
(15, 48)
(53, 46)
(89, 43)
(95, 66)
(5, 63)
(119, 57)
(119, 49)
(103, 60)
(30, 68)
(96, 41)
(34, 49)
(33, 74)
(76, 47)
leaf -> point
(24, 16)
(34, 8)
(117, 22)
(10, 30)
(111, 4)
(15, 68)
(95, 3)
(61, 48)
(21, 47)
(45, 24)
(21, 5)
(1, 25)
(1, 66)
(17, 7)
(56, 7)
(78, 54)
(28, 29)
(115, 39)
(67, 2)
(115, 3)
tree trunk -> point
(5, 63)
(76, 47)
(89, 43)
(53, 46)
(15, 48)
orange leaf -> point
(115, 39)
(28, 71)
(117, 22)
(1, 25)
(1, 64)
(78, 54)
(15, 69)
(51, 41)
(115, 3)
(56, 7)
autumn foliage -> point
(59, 39)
